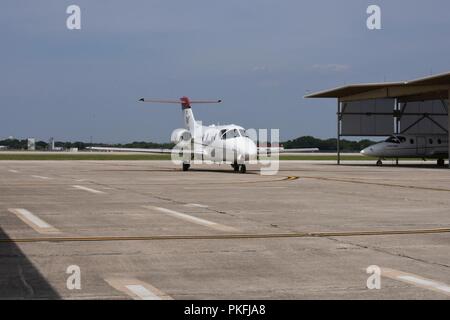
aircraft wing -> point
(265, 150)
(143, 150)
(130, 150)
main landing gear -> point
(380, 162)
(239, 168)
(186, 166)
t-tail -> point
(189, 119)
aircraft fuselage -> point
(410, 146)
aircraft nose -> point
(367, 151)
(248, 150)
(253, 150)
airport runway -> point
(147, 230)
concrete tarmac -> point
(147, 230)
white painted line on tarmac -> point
(416, 280)
(41, 177)
(136, 289)
(13, 171)
(87, 189)
(142, 292)
(33, 221)
(196, 205)
(195, 220)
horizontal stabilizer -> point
(181, 100)
(268, 150)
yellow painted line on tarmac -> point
(230, 236)
(382, 184)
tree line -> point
(301, 142)
(22, 144)
(327, 144)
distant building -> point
(31, 145)
(51, 144)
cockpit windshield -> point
(392, 139)
(243, 133)
(233, 133)
(395, 139)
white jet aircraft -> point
(410, 146)
(216, 144)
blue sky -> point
(261, 57)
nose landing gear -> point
(379, 163)
(239, 168)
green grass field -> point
(324, 157)
(137, 156)
(82, 156)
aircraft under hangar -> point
(413, 114)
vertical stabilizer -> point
(189, 119)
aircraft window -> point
(231, 134)
(222, 134)
(411, 141)
(243, 133)
(392, 139)
(430, 141)
(439, 141)
(402, 139)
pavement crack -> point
(385, 251)
(24, 281)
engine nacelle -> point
(180, 136)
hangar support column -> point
(338, 138)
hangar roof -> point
(433, 87)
